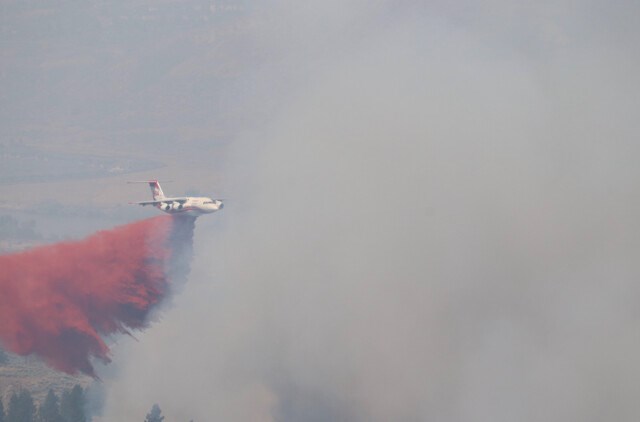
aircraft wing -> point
(180, 200)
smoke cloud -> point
(60, 301)
(433, 205)
(437, 222)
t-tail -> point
(156, 190)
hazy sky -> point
(431, 213)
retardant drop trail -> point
(58, 301)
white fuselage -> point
(186, 205)
(194, 206)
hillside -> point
(33, 375)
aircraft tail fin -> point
(156, 190)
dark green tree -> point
(49, 410)
(72, 405)
(155, 415)
(21, 408)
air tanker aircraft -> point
(186, 205)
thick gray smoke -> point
(438, 220)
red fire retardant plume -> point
(57, 301)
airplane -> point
(184, 205)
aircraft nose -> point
(221, 206)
